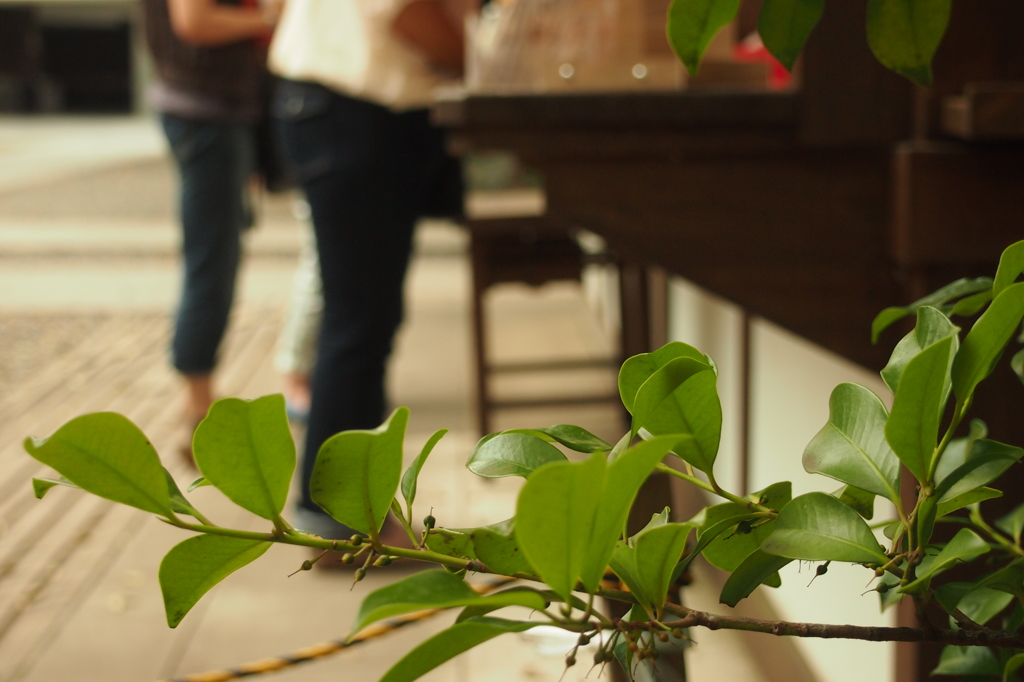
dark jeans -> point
(215, 161)
(366, 173)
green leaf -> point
(728, 550)
(658, 550)
(451, 542)
(639, 368)
(958, 449)
(982, 604)
(621, 650)
(707, 535)
(496, 546)
(413, 472)
(1012, 666)
(693, 23)
(179, 503)
(356, 473)
(623, 563)
(40, 486)
(555, 517)
(448, 644)
(860, 501)
(1011, 265)
(964, 547)
(851, 447)
(757, 568)
(818, 527)
(623, 479)
(109, 456)
(434, 590)
(511, 454)
(932, 327)
(986, 340)
(972, 304)
(192, 567)
(950, 292)
(477, 610)
(904, 34)
(986, 462)
(967, 499)
(572, 437)
(784, 26)
(913, 425)
(1012, 524)
(681, 398)
(1009, 579)
(1017, 364)
(198, 483)
(968, 660)
(245, 449)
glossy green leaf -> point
(968, 660)
(755, 570)
(436, 589)
(818, 527)
(707, 535)
(496, 546)
(693, 23)
(682, 398)
(622, 481)
(985, 342)
(729, 550)
(245, 449)
(1012, 666)
(109, 456)
(784, 26)
(555, 517)
(623, 563)
(904, 34)
(451, 542)
(966, 499)
(448, 644)
(572, 437)
(512, 454)
(932, 326)
(938, 299)
(200, 482)
(639, 368)
(860, 501)
(658, 550)
(1009, 579)
(179, 503)
(356, 473)
(913, 425)
(477, 610)
(964, 547)
(194, 566)
(851, 447)
(412, 474)
(980, 604)
(971, 305)
(1012, 524)
(41, 486)
(1011, 265)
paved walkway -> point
(88, 270)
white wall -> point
(791, 384)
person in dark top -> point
(210, 61)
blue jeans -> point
(215, 161)
(367, 174)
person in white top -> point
(357, 76)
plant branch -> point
(713, 621)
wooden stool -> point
(528, 250)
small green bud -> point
(307, 565)
(600, 657)
(882, 588)
(632, 647)
(570, 660)
(429, 522)
(743, 528)
(382, 561)
(822, 569)
(360, 574)
(584, 639)
(347, 558)
(677, 633)
(356, 540)
(662, 636)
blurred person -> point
(358, 76)
(210, 60)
